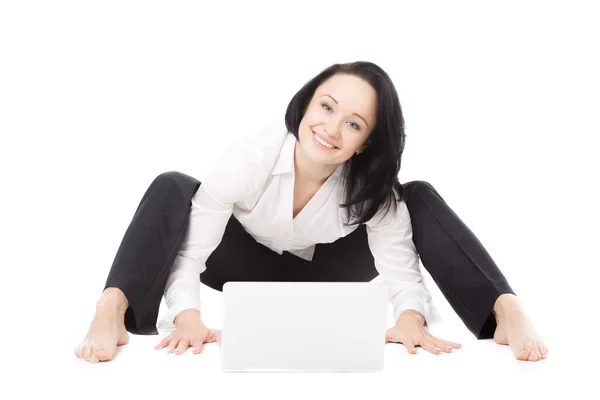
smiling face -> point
(338, 119)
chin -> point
(319, 156)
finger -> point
(429, 346)
(410, 346)
(163, 343)
(215, 336)
(389, 337)
(173, 344)
(198, 349)
(198, 346)
(448, 344)
(212, 337)
(183, 346)
(441, 344)
(392, 336)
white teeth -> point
(324, 143)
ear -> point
(364, 146)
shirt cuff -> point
(181, 305)
(426, 308)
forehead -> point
(352, 93)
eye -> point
(357, 127)
(326, 106)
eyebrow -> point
(352, 113)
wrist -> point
(411, 316)
(186, 316)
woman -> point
(314, 199)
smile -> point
(323, 143)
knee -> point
(417, 186)
(415, 190)
(167, 180)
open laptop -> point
(303, 326)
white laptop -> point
(303, 326)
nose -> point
(331, 130)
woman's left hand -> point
(411, 332)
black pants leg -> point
(456, 260)
(142, 263)
(146, 254)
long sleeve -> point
(397, 261)
(234, 176)
(207, 221)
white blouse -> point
(255, 182)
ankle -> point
(113, 298)
(506, 304)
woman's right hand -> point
(190, 332)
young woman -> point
(316, 198)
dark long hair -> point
(371, 177)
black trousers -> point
(456, 260)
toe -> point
(103, 354)
(543, 349)
(86, 352)
(78, 351)
(523, 354)
(533, 352)
(94, 355)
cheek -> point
(352, 142)
(305, 131)
(312, 113)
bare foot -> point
(516, 330)
(106, 332)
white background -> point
(97, 98)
